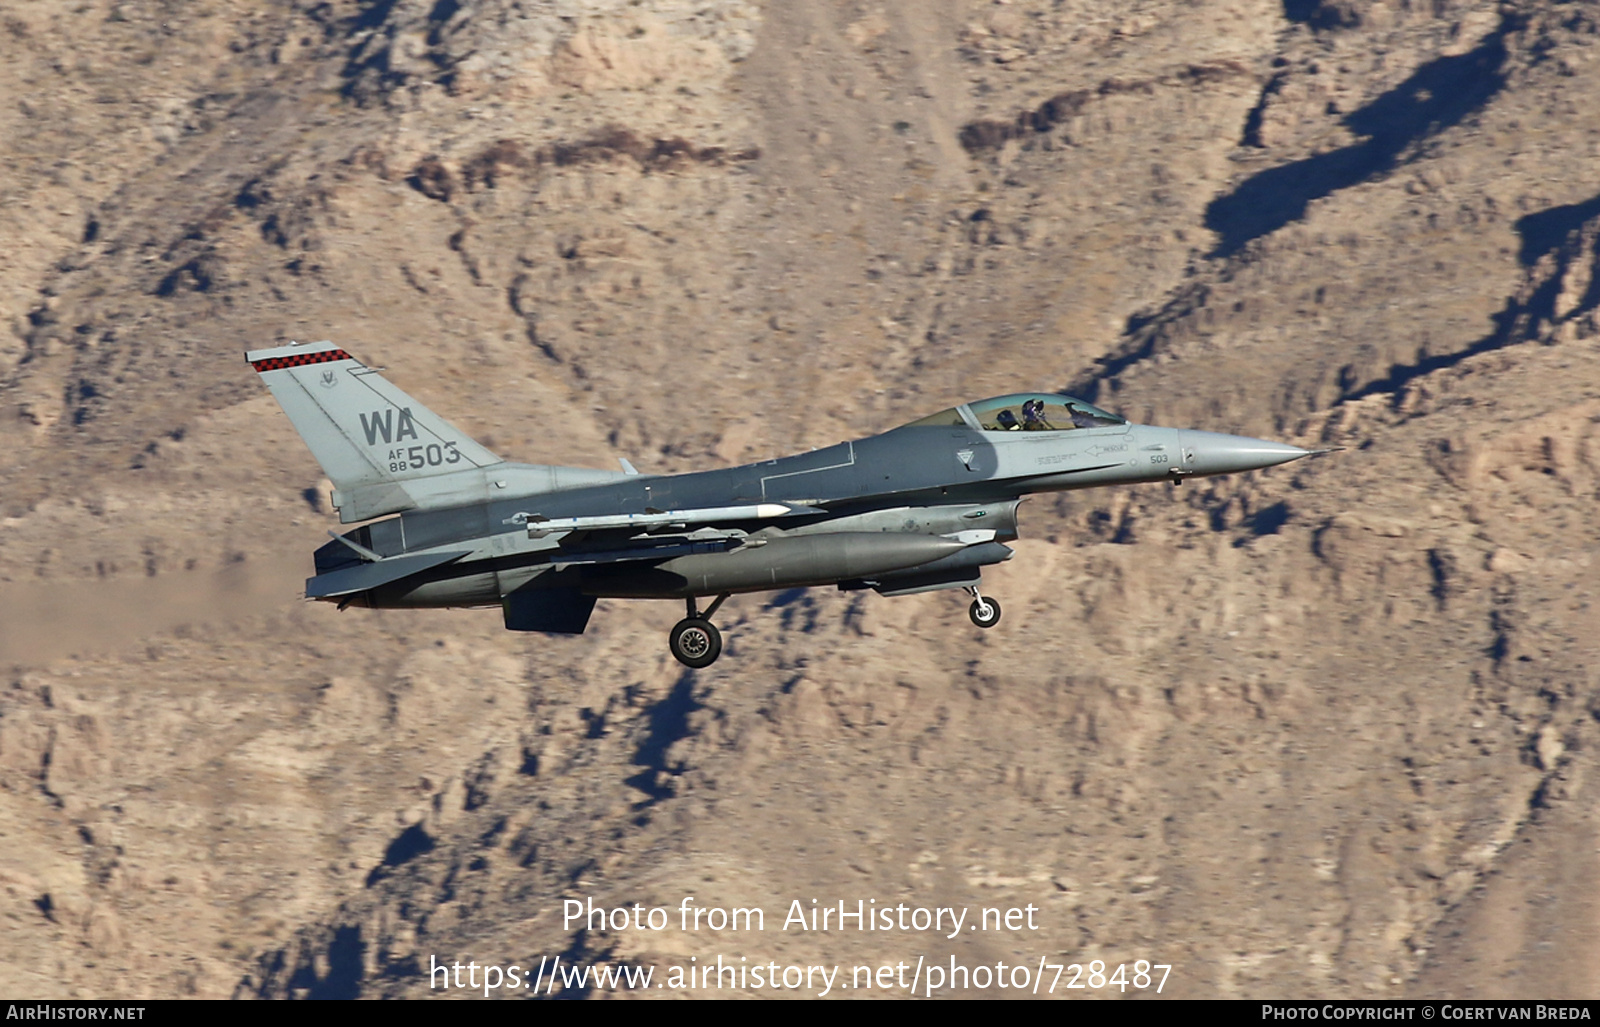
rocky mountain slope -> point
(1328, 729)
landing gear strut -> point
(985, 613)
(695, 641)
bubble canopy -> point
(1024, 411)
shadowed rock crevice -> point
(196, 275)
(1322, 14)
(340, 975)
(1443, 569)
(408, 845)
(1269, 520)
(368, 68)
(1439, 95)
(1548, 230)
(668, 723)
(489, 167)
(1144, 334)
(1560, 251)
(1257, 116)
(978, 137)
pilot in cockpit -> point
(1033, 416)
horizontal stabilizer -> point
(366, 576)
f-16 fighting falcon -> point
(923, 507)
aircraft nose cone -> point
(1210, 453)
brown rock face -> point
(1328, 729)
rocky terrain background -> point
(1329, 729)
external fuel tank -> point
(762, 564)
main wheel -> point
(985, 612)
(695, 642)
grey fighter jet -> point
(923, 507)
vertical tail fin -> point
(368, 435)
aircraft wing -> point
(370, 575)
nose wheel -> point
(695, 641)
(985, 612)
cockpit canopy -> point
(1025, 411)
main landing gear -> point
(695, 641)
(985, 613)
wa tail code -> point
(382, 422)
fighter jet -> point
(923, 507)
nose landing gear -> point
(985, 613)
(695, 641)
